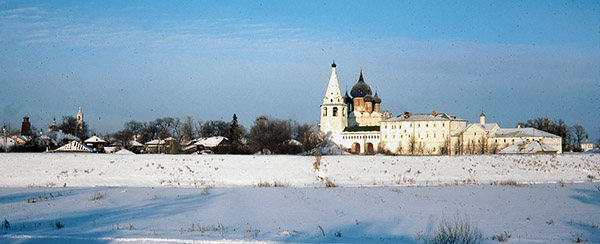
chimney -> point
(433, 113)
(518, 126)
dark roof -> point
(360, 89)
(347, 98)
(376, 99)
(361, 128)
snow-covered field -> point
(214, 199)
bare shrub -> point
(591, 178)
(58, 225)
(577, 237)
(97, 196)
(509, 183)
(274, 184)
(317, 163)
(502, 237)
(456, 231)
(329, 183)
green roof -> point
(361, 128)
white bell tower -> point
(334, 112)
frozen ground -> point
(81, 170)
(213, 199)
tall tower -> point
(334, 111)
(79, 122)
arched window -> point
(324, 112)
(335, 109)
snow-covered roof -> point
(210, 141)
(9, 142)
(59, 136)
(523, 147)
(294, 142)
(521, 132)
(135, 144)
(94, 139)
(487, 126)
(124, 152)
(424, 117)
(190, 147)
(74, 146)
(155, 142)
(20, 139)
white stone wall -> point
(331, 123)
(358, 118)
(418, 137)
(362, 138)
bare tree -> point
(411, 145)
(308, 135)
(269, 133)
(187, 129)
(214, 128)
(580, 134)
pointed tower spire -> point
(333, 94)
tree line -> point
(572, 136)
(267, 134)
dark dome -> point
(360, 89)
(376, 99)
(368, 98)
(333, 65)
(347, 98)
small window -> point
(442, 124)
(426, 125)
(335, 111)
(324, 112)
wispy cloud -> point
(20, 10)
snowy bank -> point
(83, 170)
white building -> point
(357, 124)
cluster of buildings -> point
(56, 140)
(357, 124)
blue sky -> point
(141, 60)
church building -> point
(357, 124)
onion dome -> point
(360, 89)
(333, 64)
(347, 98)
(376, 99)
(368, 98)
